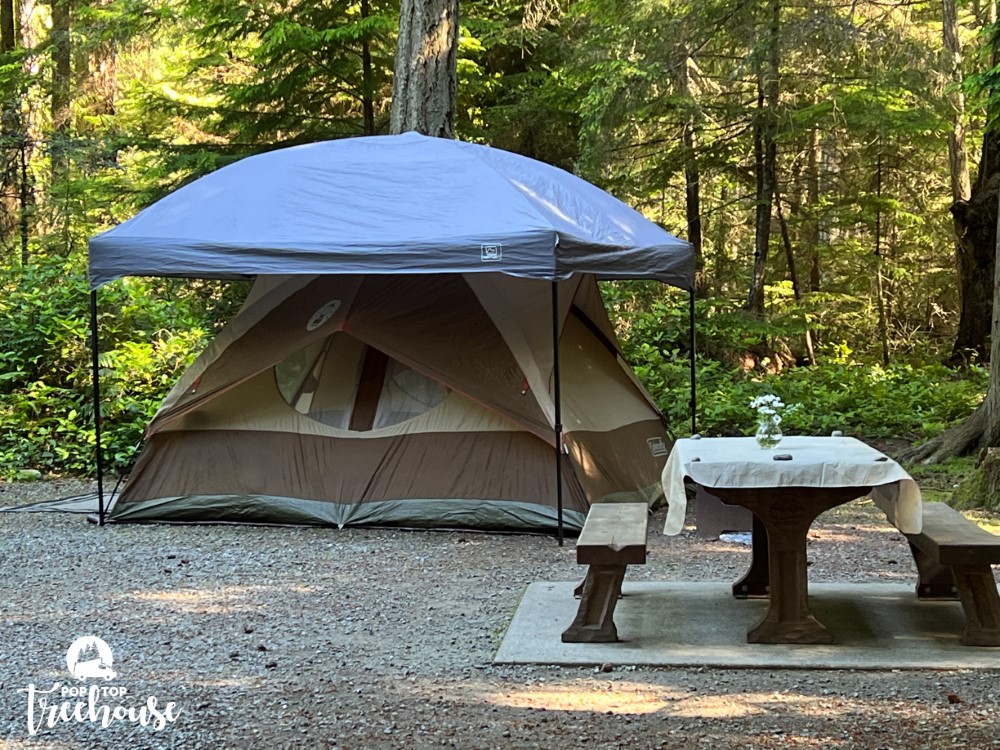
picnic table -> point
(786, 488)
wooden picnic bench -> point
(953, 557)
(613, 537)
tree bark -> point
(28, 128)
(958, 157)
(692, 177)
(720, 241)
(982, 428)
(9, 105)
(814, 158)
(883, 319)
(991, 404)
(968, 339)
(765, 157)
(786, 240)
(61, 86)
(7, 38)
(975, 226)
(425, 77)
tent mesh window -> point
(343, 383)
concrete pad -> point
(874, 626)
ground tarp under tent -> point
(394, 361)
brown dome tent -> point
(394, 361)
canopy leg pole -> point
(96, 375)
(694, 392)
(556, 397)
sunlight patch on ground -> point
(992, 525)
(847, 535)
(602, 698)
(228, 600)
(636, 699)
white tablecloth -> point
(816, 462)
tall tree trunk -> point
(28, 126)
(975, 227)
(814, 159)
(692, 177)
(721, 241)
(883, 320)
(425, 76)
(786, 240)
(969, 337)
(991, 404)
(61, 87)
(979, 218)
(9, 132)
(958, 157)
(765, 156)
(103, 76)
(7, 38)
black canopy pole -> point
(556, 397)
(694, 392)
(96, 374)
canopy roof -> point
(390, 204)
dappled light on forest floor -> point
(601, 698)
(229, 600)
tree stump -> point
(981, 489)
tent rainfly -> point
(425, 316)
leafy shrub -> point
(899, 401)
(150, 330)
(905, 401)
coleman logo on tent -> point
(323, 314)
(657, 447)
(490, 252)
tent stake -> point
(96, 374)
(694, 392)
(556, 397)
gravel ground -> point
(317, 638)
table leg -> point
(754, 583)
(786, 514)
(788, 618)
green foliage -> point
(166, 91)
(977, 488)
(939, 481)
(902, 401)
(513, 92)
(149, 330)
(291, 72)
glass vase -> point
(768, 434)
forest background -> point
(816, 154)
